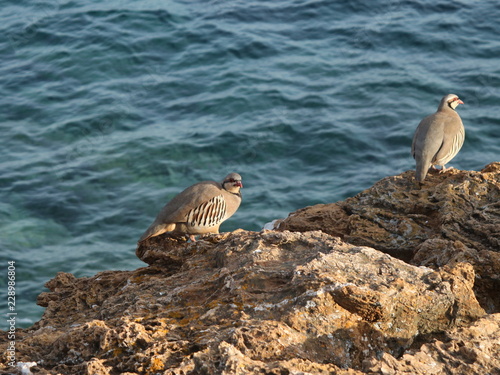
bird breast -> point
(208, 214)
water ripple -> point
(108, 109)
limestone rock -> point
(397, 280)
(454, 217)
(437, 253)
(247, 302)
(395, 216)
(472, 351)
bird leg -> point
(444, 169)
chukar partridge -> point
(438, 137)
(199, 209)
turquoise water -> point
(108, 109)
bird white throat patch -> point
(208, 214)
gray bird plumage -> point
(438, 138)
(199, 209)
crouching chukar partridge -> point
(199, 209)
(438, 137)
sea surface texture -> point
(110, 108)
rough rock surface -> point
(396, 216)
(472, 351)
(453, 217)
(302, 302)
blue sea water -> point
(108, 109)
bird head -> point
(232, 183)
(452, 101)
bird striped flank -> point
(456, 145)
(208, 214)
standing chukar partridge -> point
(438, 137)
(199, 209)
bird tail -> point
(420, 173)
(422, 167)
(156, 230)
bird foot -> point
(443, 169)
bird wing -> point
(428, 138)
(177, 210)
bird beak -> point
(459, 101)
(238, 183)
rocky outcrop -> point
(299, 300)
(453, 217)
(472, 351)
(396, 216)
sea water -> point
(108, 109)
